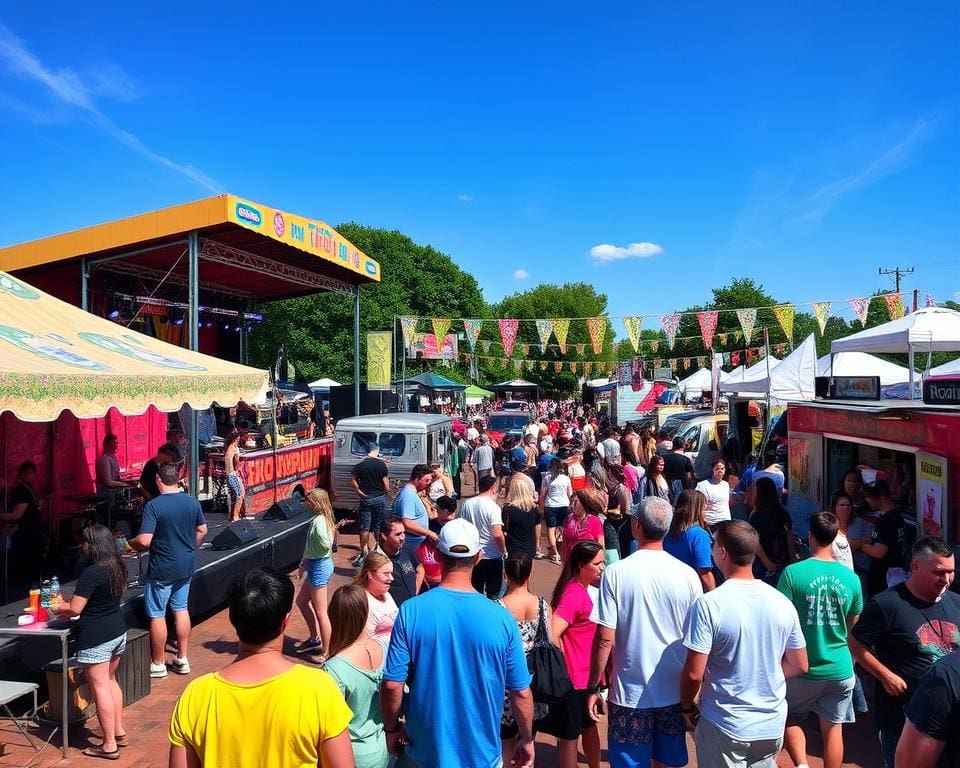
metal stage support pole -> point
(356, 351)
(193, 317)
(84, 286)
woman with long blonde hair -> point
(520, 519)
(375, 577)
(317, 565)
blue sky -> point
(802, 144)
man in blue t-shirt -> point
(458, 652)
(173, 527)
(409, 507)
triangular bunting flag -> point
(525, 348)
(860, 308)
(544, 331)
(821, 310)
(894, 305)
(748, 319)
(586, 368)
(654, 345)
(508, 334)
(686, 363)
(784, 314)
(472, 329)
(673, 364)
(734, 358)
(670, 323)
(543, 365)
(516, 364)
(580, 348)
(573, 366)
(749, 356)
(597, 327)
(632, 324)
(557, 366)
(485, 344)
(708, 326)
(930, 301)
(409, 327)
(440, 327)
(723, 338)
(560, 328)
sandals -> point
(121, 741)
(556, 560)
(99, 752)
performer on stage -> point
(166, 454)
(26, 535)
(231, 465)
(108, 472)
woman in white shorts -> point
(101, 634)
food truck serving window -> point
(391, 444)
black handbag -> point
(551, 683)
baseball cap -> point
(459, 538)
(878, 487)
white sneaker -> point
(158, 670)
(180, 666)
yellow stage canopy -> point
(55, 357)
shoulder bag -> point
(551, 683)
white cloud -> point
(69, 90)
(465, 198)
(606, 252)
(521, 274)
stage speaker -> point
(235, 535)
(287, 509)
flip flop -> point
(103, 755)
(121, 742)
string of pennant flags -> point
(559, 328)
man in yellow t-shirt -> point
(261, 709)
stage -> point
(279, 543)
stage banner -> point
(472, 330)
(597, 327)
(440, 326)
(561, 327)
(379, 347)
(708, 326)
(748, 319)
(784, 314)
(632, 324)
(508, 334)
(671, 324)
(544, 331)
(860, 308)
(409, 327)
(821, 311)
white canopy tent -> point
(792, 379)
(930, 329)
(695, 383)
(756, 372)
(947, 369)
(323, 384)
(735, 375)
(862, 364)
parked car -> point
(500, 423)
(703, 438)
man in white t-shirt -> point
(484, 512)
(643, 604)
(743, 640)
(609, 447)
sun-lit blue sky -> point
(803, 144)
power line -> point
(897, 272)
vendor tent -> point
(324, 384)
(929, 329)
(791, 379)
(862, 364)
(756, 372)
(55, 357)
(434, 382)
(517, 387)
(947, 369)
(474, 394)
(695, 383)
(735, 375)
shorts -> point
(319, 571)
(370, 512)
(555, 516)
(715, 749)
(157, 596)
(637, 736)
(569, 718)
(484, 473)
(98, 654)
(830, 699)
(234, 488)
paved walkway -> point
(213, 646)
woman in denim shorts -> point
(101, 633)
(317, 567)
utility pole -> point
(897, 272)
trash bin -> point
(80, 702)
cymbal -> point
(83, 498)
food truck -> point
(913, 445)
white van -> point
(404, 440)
(703, 438)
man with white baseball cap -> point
(466, 651)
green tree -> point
(317, 331)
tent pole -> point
(356, 351)
(403, 373)
(84, 287)
(910, 365)
(193, 314)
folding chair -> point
(11, 691)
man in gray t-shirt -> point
(743, 640)
(483, 457)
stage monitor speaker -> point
(237, 534)
(287, 509)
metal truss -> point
(173, 278)
(234, 257)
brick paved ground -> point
(213, 646)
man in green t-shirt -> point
(828, 598)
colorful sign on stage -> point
(379, 353)
(309, 235)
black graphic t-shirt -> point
(935, 710)
(892, 531)
(907, 635)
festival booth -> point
(517, 389)
(196, 274)
(692, 387)
(431, 390)
(947, 369)
(474, 395)
(862, 364)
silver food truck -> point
(404, 440)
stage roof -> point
(246, 249)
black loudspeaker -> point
(288, 509)
(235, 535)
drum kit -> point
(124, 502)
